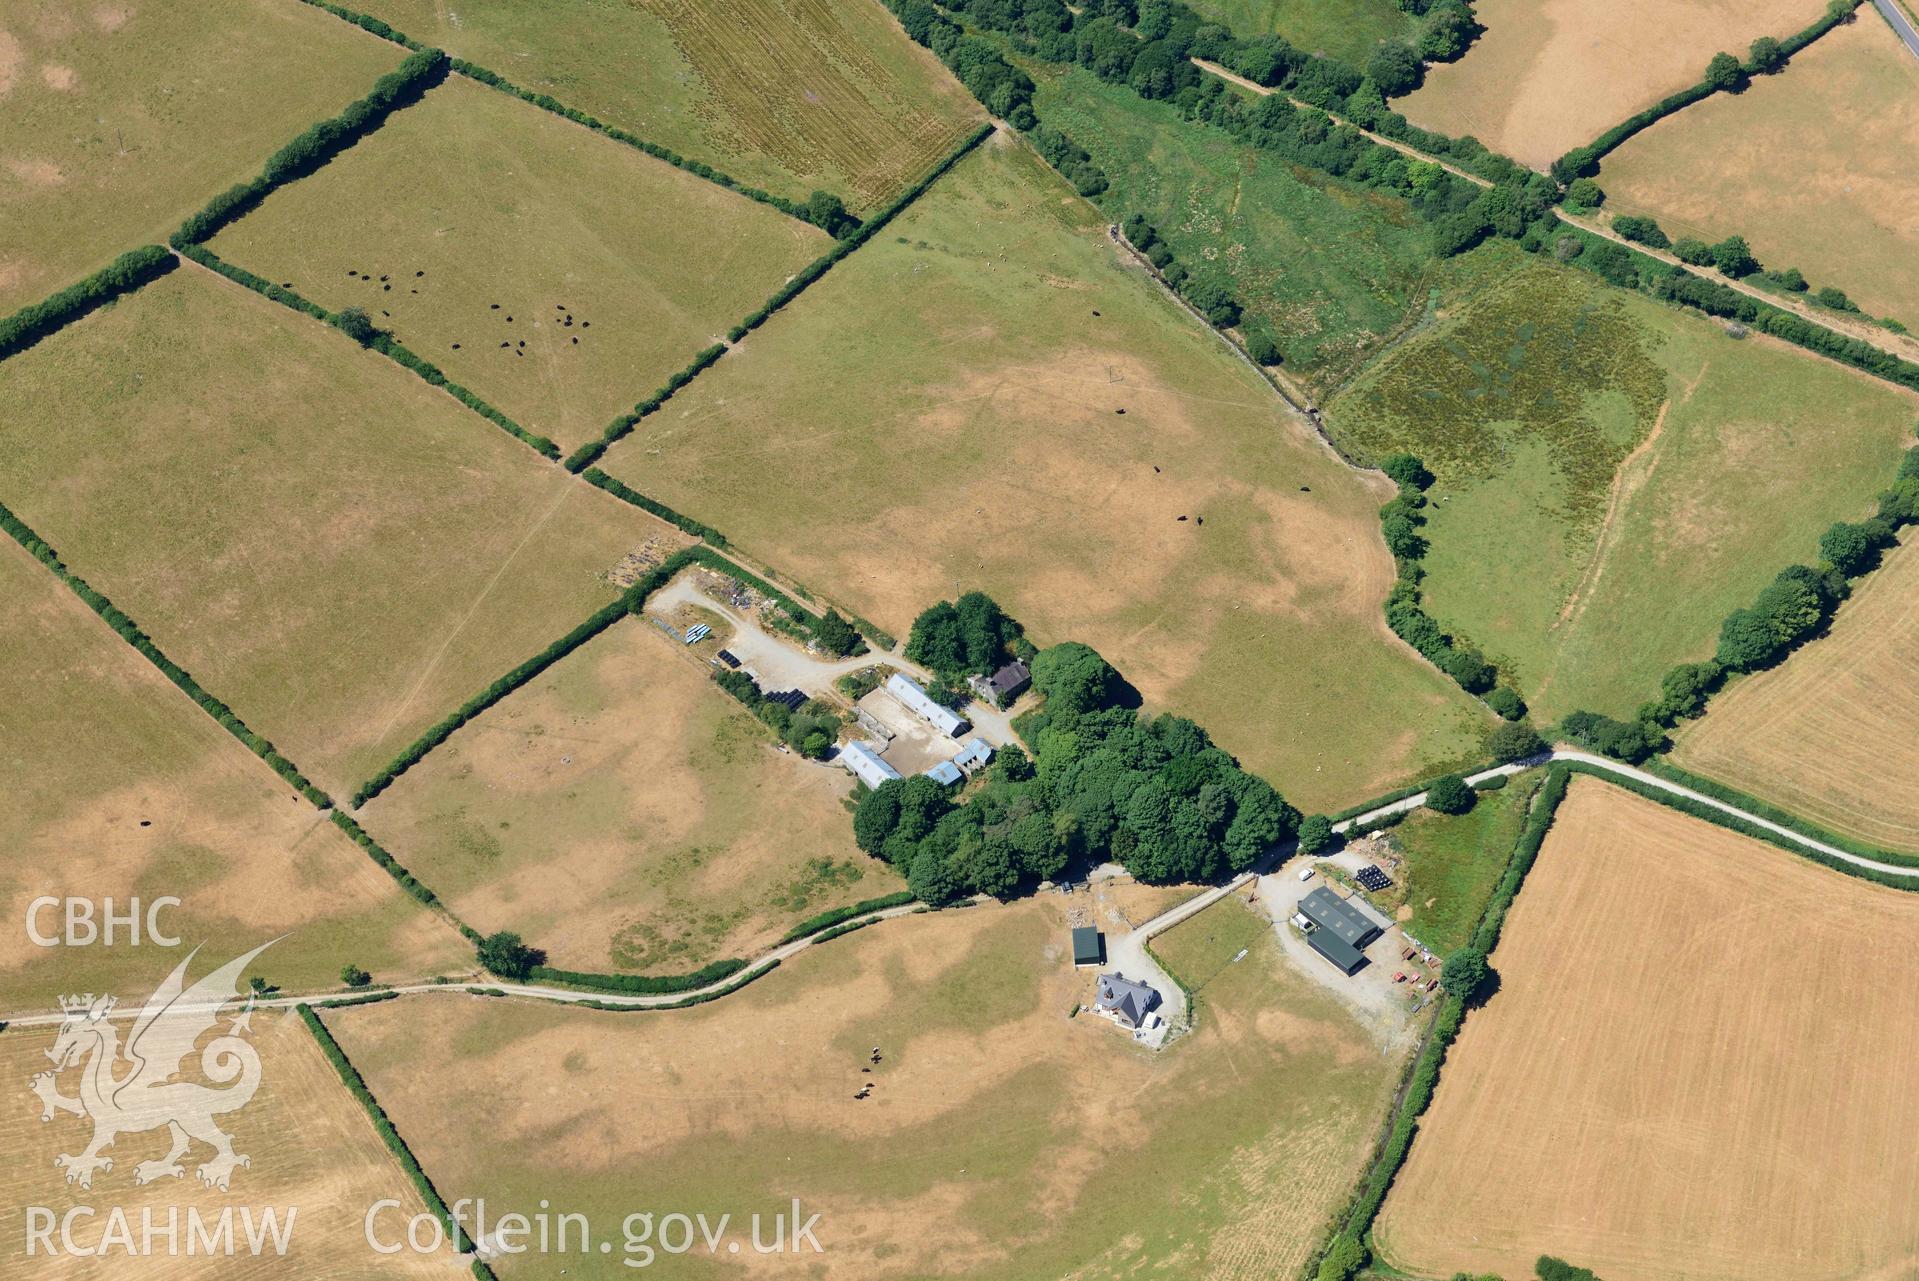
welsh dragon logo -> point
(131, 1089)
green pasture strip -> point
(130, 632)
(382, 342)
(317, 144)
(356, 1085)
(123, 275)
(494, 80)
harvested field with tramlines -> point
(1830, 734)
(316, 1160)
(624, 813)
(117, 120)
(1614, 476)
(1545, 78)
(339, 551)
(586, 277)
(1000, 1139)
(788, 95)
(1812, 166)
(991, 396)
(118, 786)
(1728, 1023)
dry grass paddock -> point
(1813, 167)
(339, 551)
(624, 813)
(560, 275)
(1829, 734)
(1002, 1139)
(989, 396)
(1698, 1065)
(117, 786)
(118, 118)
(313, 1150)
(788, 95)
(1545, 78)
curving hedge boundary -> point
(628, 602)
(317, 144)
(641, 984)
(121, 276)
(356, 1085)
(494, 80)
(1584, 161)
(1663, 766)
(834, 916)
(382, 342)
(130, 632)
(701, 999)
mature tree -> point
(356, 324)
(877, 815)
(1074, 678)
(1407, 471)
(1694, 252)
(1343, 1259)
(506, 955)
(1263, 349)
(834, 634)
(1734, 257)
(1629, 741)
(1684, 689)
(1515, 741)
(828, 212)
(1505, 702)
(1455, 233)
(1316, 834)
(1746, 641)
(1765, 57)
(1215, 302)
(931, 879)
(1584, 193)
(1465, 972)
(1449, 795)
(1852, 549)
(1469, 669)
(1449, 29)
(1644, 230)
(354, 976)
(1402, 536)
(1724, 72)
(1834, 298)
(1395, 68)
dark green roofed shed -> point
(1088, 947)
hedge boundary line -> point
(129, 631)
(1585, 160)
(1422, 1077)
(641, 984)
(43, 319)
(617, 430)
(317, 144)
(347, 1002)
(382, 342)
(688, 1003)
(383, 1125)
(1664, 767)
(627, 602)
(837, 915)
(494, 80)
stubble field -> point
(624, 813)
(314, 1152)
(1720, 1018)
(560, 275)
(823, 94)
(987, 397)
(1545, 78)
(1829, 734)
(1812, 166)
(118, 119)
(1614, 476)
(1001, 1140)
(119, 787)
(339, 551)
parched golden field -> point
(117, 786)
(339, 551)
(624, 813)
(1697, 1067)
(1548, 77)
(788, 95)
(314, 1154)
(1830, 733)
(988, 396)
(1002, 1139)
(1812, 166)
(118, 118)
(560, 275)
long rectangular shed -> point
(921, 704)
(868, 766)
(1340, 932)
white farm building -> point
(867, 765)
(917, 701)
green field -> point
(1335, 269)
(118, 786)
(625, 814)
(118, 121)
(985, 1150)
(787, 95)
(560, 275)
(339, 551)
(1614, 476)
(1346, 29)
(1452, 863)
(991, 396)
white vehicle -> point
(1306, 872)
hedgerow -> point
(589, 453)
(347, 1002)
(356, 1086)
(1664, 767)
(369, 23)
(317, 144)
(834, 916)
(1208, 297)
(641, 984)
(378, 854)
(130, 632)
(123, 275)
(700, 998)
(375, 339)
(627, 494)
